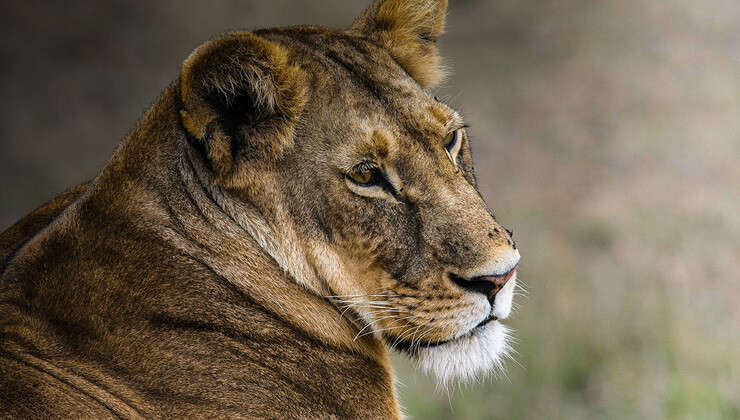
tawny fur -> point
(224, 264)
(409, 30)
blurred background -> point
(605, 133)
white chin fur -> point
(469, 357)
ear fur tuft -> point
(242, 98)
(409, 30)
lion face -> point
(364, 176)
(389, 190)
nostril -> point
(488, 285)
(498, 281)
(473, 285)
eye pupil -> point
(361, 176)
(450, 139)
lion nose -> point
(489, 285)
(497, 282)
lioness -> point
(292, 206)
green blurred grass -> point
(605, 133)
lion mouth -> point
(485, 322)
(413, 346)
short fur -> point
(224, 264)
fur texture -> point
(409, 31)
(227, 263)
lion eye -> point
(451, 140)
(363, 175)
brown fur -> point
(194, 276)
(409, 30)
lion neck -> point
(259, 253)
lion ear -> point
(241, 98)
(409, 30)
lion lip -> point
(483, 323)
(409, 346)
(413, 347)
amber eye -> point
(451, 139)
(363, 175)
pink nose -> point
(488, 285)
(498, 281)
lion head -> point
(328, 147)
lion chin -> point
(469, 357)
(475, 354)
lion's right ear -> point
(241, 98)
